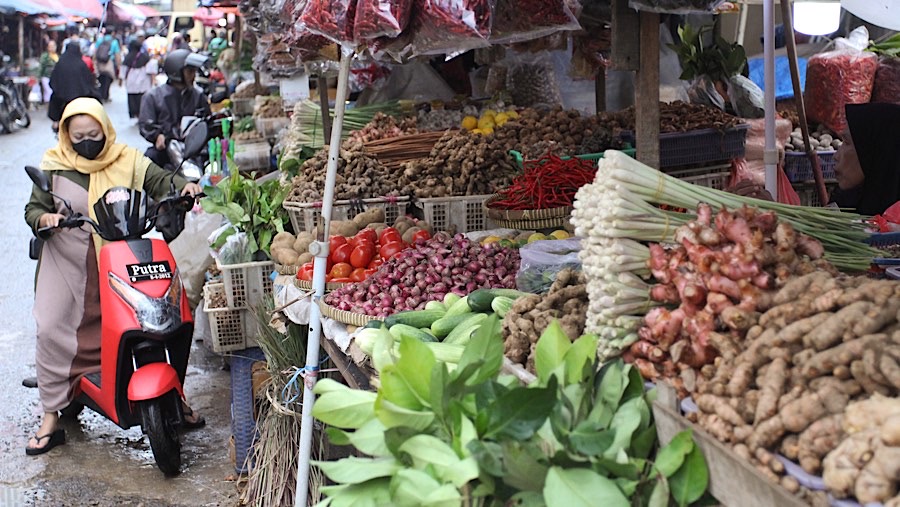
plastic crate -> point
(243, 406)
(242, 107)
(305, 216)
(230, 329)
(808, 194)
(246, 284)
(520, 160)
(716, 176)
(798, 168)
(465, 213)
(685, 149)
(884, 239)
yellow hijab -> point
(117, 165)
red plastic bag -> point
(741, 170)
(786, 192)
(381, 18)
(887, 81)
(522, 20)
(332, 19)
(451, 26)
(835, 79)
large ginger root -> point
(816, 441)
(830, 332)
(843, 465)
(844, 354)
(798, 415)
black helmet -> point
(178, 59)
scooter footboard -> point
(152, 381)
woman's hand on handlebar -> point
(192, 189)
(50, 220)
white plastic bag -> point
(191, 252)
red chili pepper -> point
(548, 182)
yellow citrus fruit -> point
(560, 234)
(536, 237)
(488, 112)
(490, 239)
(470, 123)
(486, 122)
(487, 131)
(477, 131)
(512, 115)
(501, 118)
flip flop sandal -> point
(188, 425)
(58, 437)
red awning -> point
(148, 11)
(209, 16)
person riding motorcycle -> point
(163, 107)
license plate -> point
(149, 271)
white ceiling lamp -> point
(884, 13)
(818, 17)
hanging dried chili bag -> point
(451, 26)
(522, 20)
(887, 81)
(381, 18)
(332, 19)
(835, 79)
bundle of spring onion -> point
(306, 124)
(621, 208)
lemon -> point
(536, 237)
(488, 112)
(470, 123)
(490, 239)
(512, 115)
(560, 234)
(501, 118)
(486, 122)
(487, 131)
(477, 131)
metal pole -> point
(320, 250)
(770, 155)
(798, 97)
(322, 87)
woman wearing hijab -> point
(84, 164)
(69, 80)
(137, 71)
(868, 163)
(47, 62)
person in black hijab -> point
(69, 80)
(868, 163)
(135, 74)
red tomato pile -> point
(354, 259)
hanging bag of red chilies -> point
(451, 26)
(381, 18)
(523, 20)
(332, 19)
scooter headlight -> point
(155, 315)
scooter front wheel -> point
(163, 435)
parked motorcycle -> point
(13, 102)
(147, 324)
(192, 168)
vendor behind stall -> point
(868, 163)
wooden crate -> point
(732, 480)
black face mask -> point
(89, 148)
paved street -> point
(101, 464)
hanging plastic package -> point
(381, 18)
(451, 27)
(837, 78)
(680, 6)
(332, 19)
(523, 20)
(747, 99)
(531, 80)
(887, 81)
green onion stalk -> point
(308, 120)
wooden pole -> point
(625, 37)
(646, 116)
(798, 97)
(600, 91)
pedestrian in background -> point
(106, 54)
(69, 80)
(138, 71)
(47, 62)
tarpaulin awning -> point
(210, 16)
(91, 9)
(10, 7)
(148, 11)
(125, 12)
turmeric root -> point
(799, 286)
(795, 331)
(790, 484)
(818, 440)
(716, 427)
(797, 415)
(771, 390)
(790, 447)
(712, 404)
(723, 343)
(876, 318)
(828, 333)
(859, 371)
(826, 361)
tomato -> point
(305, 272)
(358, 274)
(341, 253)
(362, 255)
(420, 235)
(364, 235)
(376, 262)
(389, 235)
(341, 280)
(341, 270)
(335, 241)
(370, 271)
(389, 250)
(328, 278)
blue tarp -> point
(784, 89)
(10, 7)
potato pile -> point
(821, 139)
(359, 176)
(290, 250)
(530, 315)
(827, 341)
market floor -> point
(101, 464)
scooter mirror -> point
(195, 140)
(217, 97)
(38, 177)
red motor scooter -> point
(147, 327)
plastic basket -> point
(466, 213)
(798, 168)
(246, 284)
(305, 216)
(243, 409)
(685, 149)
(716, 176)
(808, 194)
(230, 329)
(242, 107)
(520, 160)
(884, 239)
